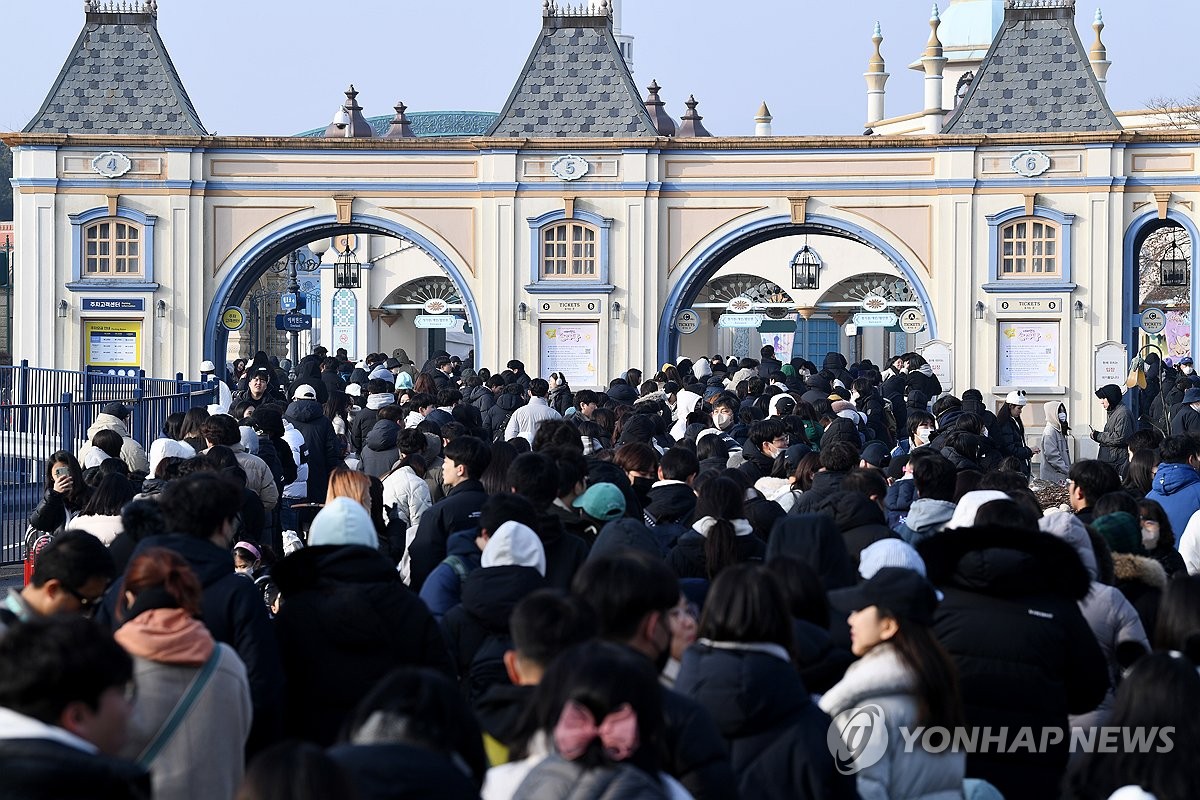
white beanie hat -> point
(514, 545)
(969, 505)
(343, 521)
(168, 448)
(889, 553)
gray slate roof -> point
(118, 80)
(575, 84)
(1035, 79)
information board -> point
(1029, 354)
(572, 349)
(112, 343)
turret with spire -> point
(1098, 55)
(349, 122)
(658, 111)
(876, 77)
(934, 62)
(762, 121)
(690, 125)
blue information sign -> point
(287, 301)
(293, 322)
(112, 304)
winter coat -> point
(294, 439)
(561, 399)
(1024, 653)
(497, 417)
(105, 527)
(926, 517)
(399, 771)
(859, 519)
(347, 615)
(824, 484)
(900, 497)
(53, 512)
(41, 768)
(481, 397)
(366, 418)
(881, 678)
(132, 453)
(204, 757)
(923, 380)
(687, 558)
(380, 450)
(529, 418)
(442, 590)
(873, 407)
(565, 552)
(488, 597)
(406, 497)
(555, 778)
(1177, 490)
(756, 464)
(1056, 450)
(815, 540)
(776, 734)
(259, 480)
(458, 510)
(672, 501)
(232, 610)
(1117, 430)
(1008, 435)
(324, 453)
(1142, 581)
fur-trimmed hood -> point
(1005, 562)
(1128, 567)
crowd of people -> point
(373, 580)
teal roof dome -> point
(431, 123)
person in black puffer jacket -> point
(513, 565)
(381, 449)
(495, 420)
(741, 672)
(1025, 655)
(324, 453)
(859, 519)
(921, 377)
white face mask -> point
(1186, 369)
(1062, 416)
(923, 434)
(1150, 532)
(722, 421)
(247, 571)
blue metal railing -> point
(34, 425)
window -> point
(112, 248)
(569, 251)
(1029, 248)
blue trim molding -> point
(538, 285)
(145, 283)
(1059, 283)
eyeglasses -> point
(784, 439)
(86, 604)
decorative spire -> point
(349, 122)
(762, 122)
(876, 64)
(690, 126)
(933, 48)
(1098, 55)
(658, 111)
(400, 127)
(876, 77)
(934, 63)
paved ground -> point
(12, 576)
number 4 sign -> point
(111, 164)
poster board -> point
(781, 343)
(572, 349)
(112, 343)
(940, 356)
(1111, 364)
(1028, 354)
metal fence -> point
(35, 423)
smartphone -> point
(62, 471)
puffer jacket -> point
(776, 734)
(881, 678)
(926, 517)
(1119, 426)
(259, 479)
(324, 453)
(132, 453)
(687, 558)
(1112, 618)
(1177, 490)
(555, 778)
(406, 494)
(481, 397)
(1025, 655)
(859, 519)
(900, 497)
(497, 417)
(380, 449)
(1056, 450)
(924, 381)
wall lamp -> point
(616, 310)
(522, 312)
(1080, 310)
(160, 309)
(980, 309)
(63, 308)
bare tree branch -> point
(1175, 112)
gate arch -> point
(720, 252)
(251, 266)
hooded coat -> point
(132, 453)
(859, 519)
(323, 451)
(496, 418)
(1025, 655)
(347, 622)
(923, 380)
(381, 448)
(688, 559)
(776, 734)
(457, 511)
(814, 539)
(1117, 430)
(1056, 450)
(1177, 490)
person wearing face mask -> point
(1008, 432)
(1185, 418)
(248, 562)
(1056, 449)
(921, 428)
(1187, 369)
(768, 440)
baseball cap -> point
(261, 372)
(304, 392)
(115, 409)
(602, 501)
(1186, 360)
(208, 366)
(901, 591)
(1016, 398)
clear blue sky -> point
(276, 67)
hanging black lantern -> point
(1173, 266)
(346, 270)
(806, 269)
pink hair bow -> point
(576, 729)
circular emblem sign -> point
(874, 303)
(740, 305)
(1154, 320)
(912, 321)
(570, 168)
(233, 318)
(436, 305)
(687, 321)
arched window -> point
(1029, 248)
(112, 248)
(569, 251)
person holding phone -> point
(65, 496)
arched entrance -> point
(703, 268)
(402, 304)
(240, 280)
(1159, 258)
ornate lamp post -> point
(806, 269)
